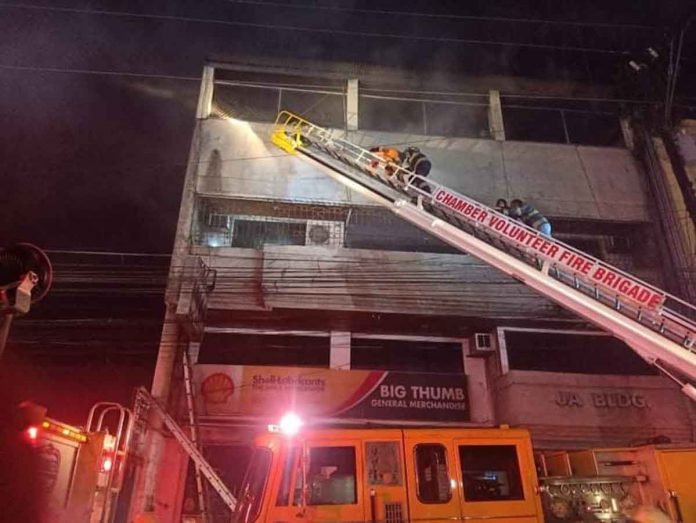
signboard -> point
(269, 392)
(600, 410)
(546, 248)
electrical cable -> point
(292, 28)
(446, 16)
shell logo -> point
(217, 388)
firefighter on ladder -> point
(411, 159)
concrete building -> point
(283, 280)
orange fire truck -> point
(392, 475)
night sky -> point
(97, 111)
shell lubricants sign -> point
(269, 392)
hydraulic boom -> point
(660, 327)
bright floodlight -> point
(290, 424)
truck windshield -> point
(251, 490)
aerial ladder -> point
(659, 327)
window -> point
(534, 125)
(406, 355)
(251, 492)
(245, 103)
(432, 476)
(447, 119)
(383, 463)
(593, 128)
(403, 116)
(591, 246)
(254, 234)
(566, 352)
(265, 349)
(286, 480)
(230, 462)
(369, 228)
(331, 476)
(490, 473)
(320, 108)
(219, 221)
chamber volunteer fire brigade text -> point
(551, 251)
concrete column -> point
(495, 116)
(480, 388)
(205, 98)
(144, 498)
(339, 357)
(352, 105)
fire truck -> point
(79, 470)
(437, 474)
(392, 475)
(441, 473)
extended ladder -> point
(144, 397)
(660, 327)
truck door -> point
(678, 468)
(332, 469)
(431, 473)
(497, 480)
(384, 487)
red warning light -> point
(32, 433)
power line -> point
(445, 16)
(109, 253)
(278, 27)
(97, 72)
(133, 74)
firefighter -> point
(411, 159)
(418, 163)
(391, 155)
(529, 215)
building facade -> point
(288, 291)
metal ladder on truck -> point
(145, 401)
(660, 327)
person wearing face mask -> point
(530, 216)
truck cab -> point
(391, 475)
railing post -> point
(495, 116)
(205, 98)
(352, 105)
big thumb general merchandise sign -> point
(269, 392)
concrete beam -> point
(352, 105)
(495, 116)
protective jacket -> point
(417, 162)
(388, 153)
(528, 215)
